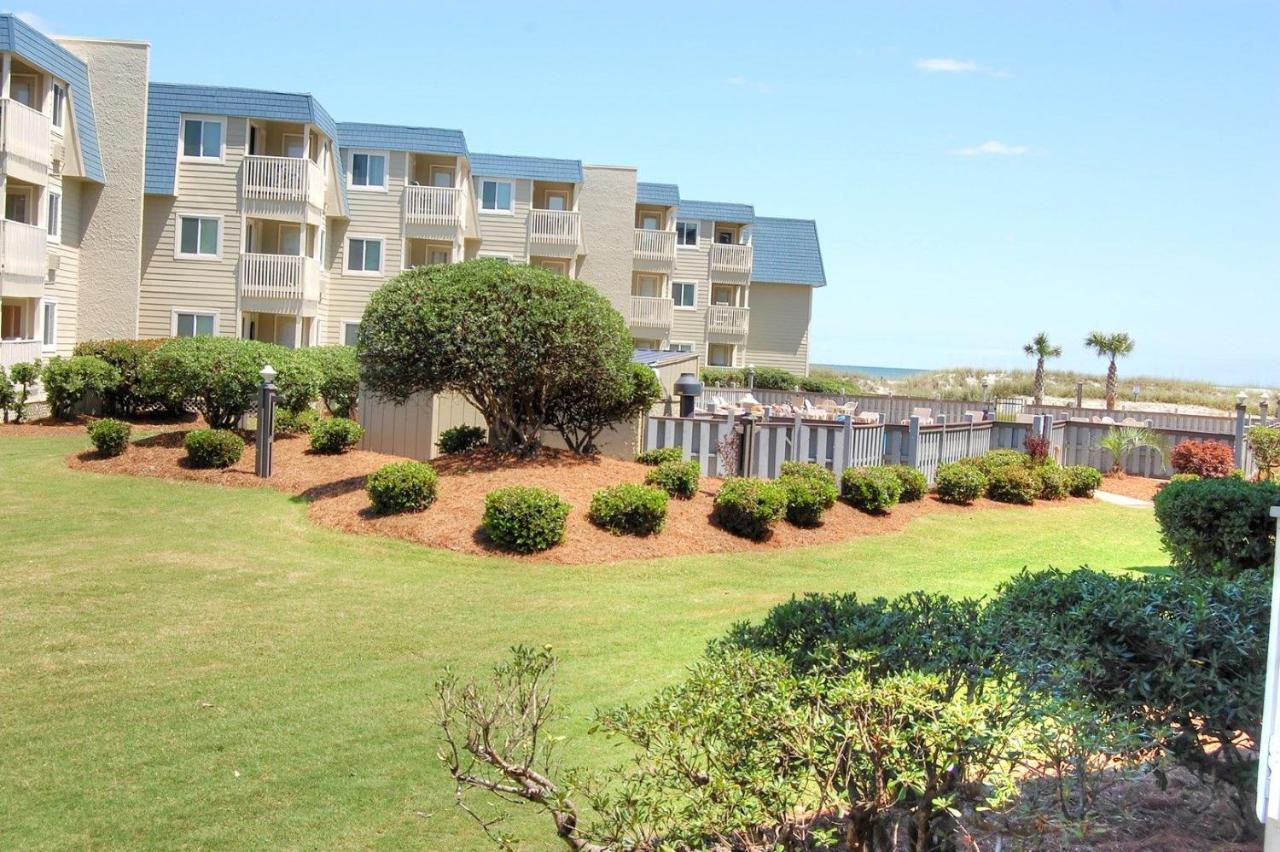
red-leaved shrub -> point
(1037, 447)
(1207, 459)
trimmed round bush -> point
(871, 489)
(296, 422)
(1010, 484)
(629, 509)
(807, 469)
(335, 435)
(109, 437)
(67, 381)
(1218, 527)
(960, 483)
(407, 486)
(677, 478)
(749, 507)
(524, 519)
(657, 457)
(809, 496)
(1055, 482)
(1082, 480)
(914, 483)
(213, 447)
(1206, 459)
(997, 459)
(461, 439)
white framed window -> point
(556, 265)
(59, 106)
(367, 170)
(438, 257)
(720, 355)
(350, 332)
(505, 258)
(202, 138)
(54, 223)
(686, 233)
(194, 323)
(679, 347)
(496, 195)
(199, 237)
(684, 294)
(48, 325)
(364, 255)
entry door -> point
(650, 222)
(648, 286)
(11, 316)
(22, 88)
(557, 200)
(722, 295)
(725, 237)
(17, 205)
(294, 145)
(291, 240)
(441, 176)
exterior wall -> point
(778, 335)
(689, 325)
(64, 284)
(607, 203)
(504, 233)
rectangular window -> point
(201, 139)
(350, 333)
(684, 294)
(438, 257)
(369, 170)
(192, 324)
(55, 216)
(364, 255)
(495, 195)
(687, 233)
(49, 325)
(59, 104)
(198, 236)
(680, 347)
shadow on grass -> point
(1154, 570)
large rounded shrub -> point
(749, 507)
(1206, 459)
(338, 376)
(811, 491)
(960, 483)
(1082, 480)
(1013, 484)
(216, 376)
(997, 459)
(213, 447)
(296, 422)
(1218, 527)
(67, 381)
(871, 489)
(460, 439)
(134, 393)
(1055, 482)
(109, 437)
(657, 457)
(677, 478)
(914, 483)
(629, 509)
(524, 519)
(407, 486)
(335, 435)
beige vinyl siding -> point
(692, 265)
(64, 284)
(503, 233)
(779, 332)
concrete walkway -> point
(1121, 500)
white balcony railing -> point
(651, 311)
(284, 179)
(655, 245)
(18, 352)
(432, 205)
(25, 132)
(279, 276)
(23, 250)
(555, 227)
(731, 258)
(722, 319)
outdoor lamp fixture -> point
(751, 376)
(268, 374)
(1241, 398)
(1265, 398)
(266, 422)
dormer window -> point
(202, 138)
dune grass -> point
(187, 665)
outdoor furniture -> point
(925, 414)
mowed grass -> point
(184, 665)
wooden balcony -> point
(654, 248)
(557, 233)
(731, 261)
(433, 206)
(19, 352)
(24, 142)
(728, 321)
(280, 278)
(650, 312)
(24, 260)
(287, 181)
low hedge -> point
(871, 489)
(960, 483)
(109, 437)
(461, 439)
(811, 491)
(407, 486)
(657, 457)
(296, 422)
(1013, 484)
(524, 519)
(1082, 480)
(213, 448)
(997, 459)
(677, 478)
(1218, 527)
(67, 381)
(750, 507)
(133, 394)
(914, 483)
(629, 509)
(335, 435)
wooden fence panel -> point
(397, 430)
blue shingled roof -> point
(717, 211)
(666, 194)
(533, 168)
(786, 251)
(40, 50)
(393, 137)
(167, 101)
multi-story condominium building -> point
(252, 213)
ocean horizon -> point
(872, 372)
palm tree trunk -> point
(1112, 374)
(1037, 392)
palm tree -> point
(1110, 346)
(1122, 440)
(1041, 349)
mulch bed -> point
(334, 486)
(1138, 487)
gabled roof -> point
(717, 211)
(532, 168)
(786, 251)
(393, 137)
(666, 194)
(38, 49)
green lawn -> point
(187, 665)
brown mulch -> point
(334, 486)
(1138, 487)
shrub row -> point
(772, 378)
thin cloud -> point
(947, 66)
(34, 20)
(993, 148)
(744, 82)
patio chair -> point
(925, 414)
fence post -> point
(913, 443)
(846, 454)
(795, 439)
(747, 451)
(1239, 442)
(968, 441)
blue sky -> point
(979, 171)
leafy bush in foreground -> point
(24, 376)
(1206, 459)
(213, 447)
(749, 507)
(109, 437)
(68, 380)
(1082, 480)
(871, 489)
(407, 486)
(811, 491)
(294, 423)
(915, 485)
(657, 457)
(960, 483)
(1055, 483)
(677, 478)
(524, 519)
(460, 439)
(1011, 484)
(133, 394)
(629, 509)
(1218, 527)
(335, 435)
(216, 376)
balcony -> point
(279, 183)
(557, 233)
(19, 352)
(24, 260)
(433, 207)
(280, 278)
(655, 249)
(730, 260)
(650, 312)
(728, 321)
(24, 141)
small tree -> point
(1110, 346)
(582, 411)
(1264, 441)
(7, 396)
(1041, 350)
(1122, 440)
(511, 339)
(24, 376)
